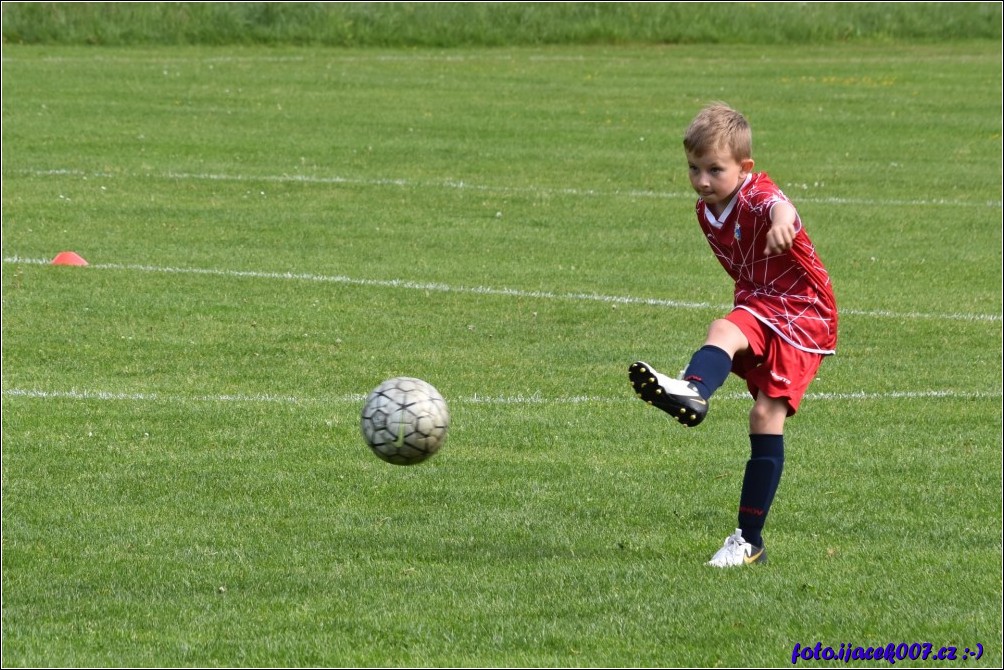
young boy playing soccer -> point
(783, 322)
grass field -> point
(271, 232)
(470, 24)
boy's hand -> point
(782, 231)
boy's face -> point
(716, 176)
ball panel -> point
(405, 420)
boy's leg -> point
(764, 468)
(788, 374)
(760, 482)
(686, 400)
(710, 365)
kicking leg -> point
(687, 400)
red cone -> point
(68, 258)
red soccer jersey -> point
(790, 292)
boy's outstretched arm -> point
(782, 231)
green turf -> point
(271, 233)
(466, 24)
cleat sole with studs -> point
(647, 387)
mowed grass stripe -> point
(507, 190)
(424, 55)
(487, 290)
(354, 398)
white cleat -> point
(680, 399)
(737, 551)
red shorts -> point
(771, 365)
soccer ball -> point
(404, 420)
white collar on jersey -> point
(720, 221)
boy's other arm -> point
(782, 231)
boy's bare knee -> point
(768, 415)
(727, 336)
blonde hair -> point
(718, 126)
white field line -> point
(487, 290)
(505, 190)
(476, 399)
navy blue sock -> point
(763, 474)
(709, 368)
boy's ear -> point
(746, 165)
